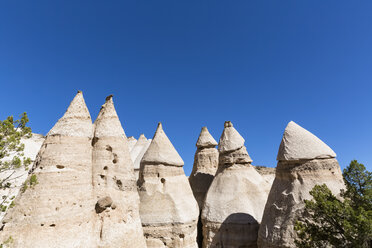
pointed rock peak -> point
(107, 122)
(76, 121)
(298, 144)
(230, 139)
(142, 137)
(131, 138)
(108, 98)
(161, 150)
(205, 139)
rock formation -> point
(303, 161)
(205, 166)
(19, 175)
(203, 171)
(57, 207)
(267, 173)
(131, 142)
(168, 210)
(236, 198)
(117, 209)
(138, 151)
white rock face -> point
(19, 176)
(203, 171)
(117, 209)
(58, 211)
(299, 169)
(235, 201)
(298, 144)
(131, 142)
(168, 210)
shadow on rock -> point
(239, 230)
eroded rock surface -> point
(203, 171)
(117, 221)
(168, 210)
(58, 209)
(303, 161)
(235, 201)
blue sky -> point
(188, 64)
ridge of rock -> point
(161, 150)
(298, 144)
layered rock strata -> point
(168, 210)
(56, 207)
(235, 201)
(303, 161)
(117, 201)
(203, 171)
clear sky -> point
(188, 64)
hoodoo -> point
(203, 171)
(303, 161)
(117, 222)
(56, 207)
(138, 151)
(236, 198)
(168, 209)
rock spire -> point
(168, 210)
(57, 206)
(235, 201)
(203, 171)
(117, 208)
(303, 161)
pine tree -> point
(11, 152)
(329, 221)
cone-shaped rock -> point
(56, 209)
(131, 142)
(117, 221)
(161, 150)
(236, 198)
(168, 209)
(298, 144)
(303, 161)
(203, 171)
